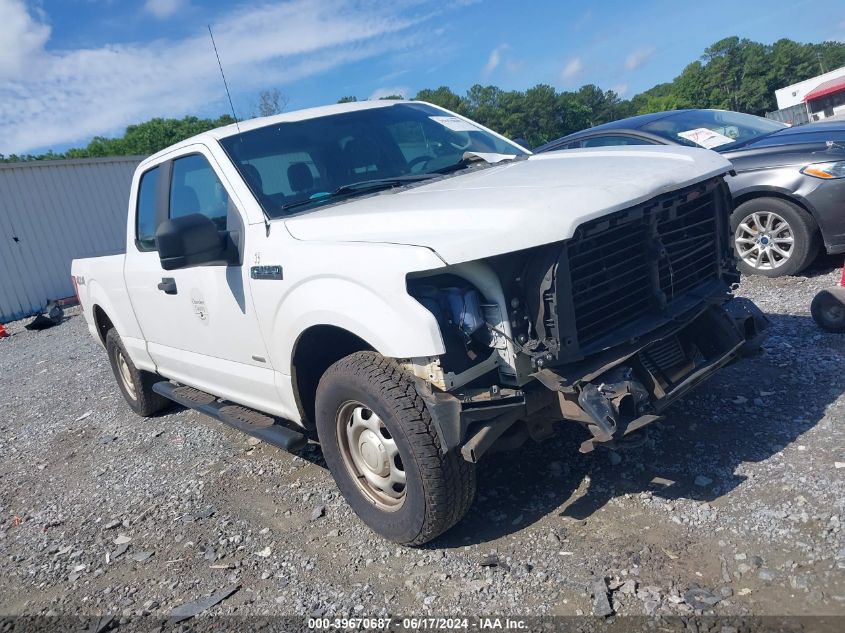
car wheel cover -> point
(764, 240)
(371, 456)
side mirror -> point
(192, 240)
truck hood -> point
(513, 206)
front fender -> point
(777, 182)
(393, 323)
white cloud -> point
(501, 55)
(163, 8)
(620, 89)
(492, 62)
(573, 68)
(23, 38)
(639, 57)
(67, 96)
(389, 91)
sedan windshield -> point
(297, 165)
(719, 130)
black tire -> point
(828, 309)
(805, 233)
(439, 488)
(144, 401)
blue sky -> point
(73, 69)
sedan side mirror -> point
(191, 240)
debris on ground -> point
(699, 598)
(601, 604)
(192, 609)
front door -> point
(199, 323)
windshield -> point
(713, 129)
(297, 165)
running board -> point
(249, 421)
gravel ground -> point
(733, 506)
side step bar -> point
(249, 421)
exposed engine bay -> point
(605, 329)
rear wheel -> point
(135, 385)
(774, 237)
(382, 449)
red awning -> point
(828, 87)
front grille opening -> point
(634, 262)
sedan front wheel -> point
(773, 237)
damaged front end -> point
(622, 396)
(606, 329)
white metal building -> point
(50, 213)
(797, 93)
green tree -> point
(443, 97)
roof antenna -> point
(225, 85)
(231, 105)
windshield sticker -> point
(456, 124)
(708, 139)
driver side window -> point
(195, 188)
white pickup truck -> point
(413, 290)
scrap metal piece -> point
(191, 609)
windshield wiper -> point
(382, 183)
(375, 184)
(363, 186)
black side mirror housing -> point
(191, 240)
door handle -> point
(168, 285)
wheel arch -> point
(316, 349)
(102, 322)
(774, 192)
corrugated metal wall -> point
(50, 213)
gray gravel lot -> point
(734, 505)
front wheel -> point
(774, 237)
(381, 447)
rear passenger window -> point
(145, 225)
(195, 188)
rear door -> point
(199, 323)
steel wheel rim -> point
(371, 456)
(764, 240)
(125, 374)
